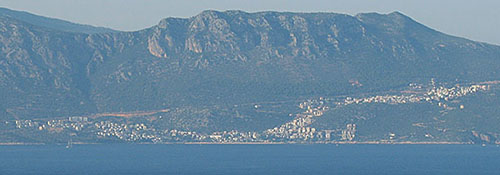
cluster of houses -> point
(50, 125)
(436, 94)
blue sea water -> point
(250, 159)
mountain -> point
(358, 78)
(52, 23)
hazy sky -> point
(474, 19)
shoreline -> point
(255, 143)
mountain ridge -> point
(53, 23)
(233, 70)
(203, 39)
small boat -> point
(70, 144)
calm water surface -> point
(250, 159)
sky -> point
(473, 19)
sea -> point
(282, 159)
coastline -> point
(256, 143)
(19, 144)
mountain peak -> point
(397, 13)
(394, 22)
(208, 13)
(398, 16)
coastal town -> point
(297, 130)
